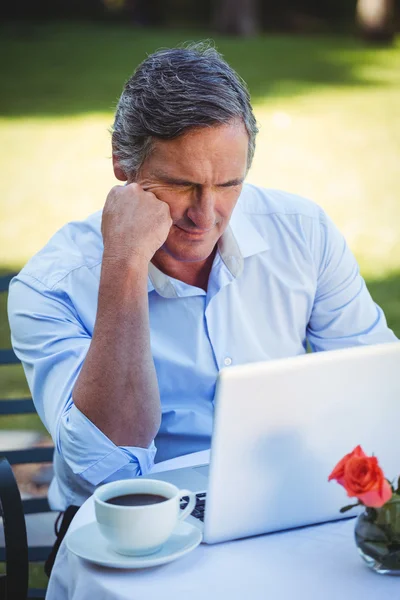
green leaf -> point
(348, 507)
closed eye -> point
(230, 184)
(186, 184)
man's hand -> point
(135, 223)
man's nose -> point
(202, 210)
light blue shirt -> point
(282, 275)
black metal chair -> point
(16, 554)
(14, 584)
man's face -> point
(200, 176)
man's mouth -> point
(194, 231)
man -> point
(123, 321)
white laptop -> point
(279, 429)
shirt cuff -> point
(94, 457)
(143, 456)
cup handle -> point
(189, 508)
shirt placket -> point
(216, 324)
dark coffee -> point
(136, 499)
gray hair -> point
(172, 91)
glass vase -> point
(377, 535)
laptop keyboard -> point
(198, 511)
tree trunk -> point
(236, 17)
(375, 19)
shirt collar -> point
(240, 240)
(248, 239)
(159, 281)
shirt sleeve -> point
(344, 313)
(51, 342)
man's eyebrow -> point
(176, 181)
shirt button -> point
(227, 361)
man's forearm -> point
(117, 388)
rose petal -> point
(338, 471)
(361, 475)
(377, 498)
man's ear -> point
(118, 172)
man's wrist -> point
(135, 263)
(123, 278)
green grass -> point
(328, 108)
(37, 576)
(329, 115)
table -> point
(313, 563)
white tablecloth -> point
(314, 563)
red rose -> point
(362, 478)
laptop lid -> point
(280, 427)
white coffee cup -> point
(140, 530)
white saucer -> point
(87, 542)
